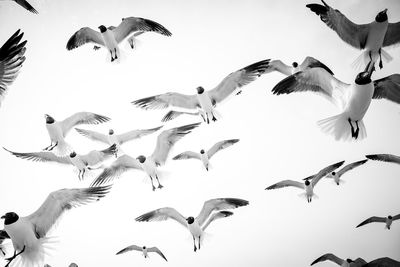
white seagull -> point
(118, 139)
(388, 220)
(370, 37)
(145, 251)
(11, 59)
(335, 259)
(112, 36)
(308, 63)
(307, 186)
(81, 162)
(165, 141)
(29, 234)
(196, 226)
(25, 5)
(59, 129)
(384, 157)
(205, 101)
(206, 156)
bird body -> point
(205, 160)
(360, 99)
(110, 43)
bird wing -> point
(329, 256)
(237, 79)
(397, 217)
(95, 157)
(187, 155)
(309, 177)
(3, 235)
(125, 137)
(215, 216)
(58, 202)
(325, 171)
(93, 135)
(42, 156)
(27, 6)
(83, 36)
(372, 219)
(167, 139)
(172, 114)
(351, 166)
(388, 88)
(130, 248)
(119, 166)
(353, 34)
(384, 157)
(81, 118)
(168, 99)
(392, 35)
(156, 250)
(132, 24)
(162, 215)
(310, 62)
(220, 145)
(286, 183)
(218, 204)
(278, 65)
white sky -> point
(278, 136)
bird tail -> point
(340, 128)
(364, 59)
(62, 149)
(35, 256)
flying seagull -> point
(119, 139)
(145, 250)
(388, 220)
(165, 141)
(29, 234)
(308, 63)
(111, 37)
(59, 129)
(198, 225)
(384, 157)
(206, 101)
(206, 156)
(370, 37)
(81, 162)
(307, 186)
(335, 259)
(26, 5)
(11, 59)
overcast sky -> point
(279, 138)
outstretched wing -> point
(310, 62)
(372, 219)
(330, 257)
(172, 114)
(83, 36)
(392, 36)
(278, 65)
(220, 145)
(81, 118)
(384, 157)
(168, 99)
(125, 137)
(397, 217)
(156, 250)
(350, 166)
(93, 135)
(286, 183)
(216, 216)
(130, 248)
(162, 215)
(187, 155)
(58, 202)
(42, 156)
(388, 88)
(325, 171)
(95, 157)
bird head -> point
(307, 182)
(349, 260)
(141, 159)
(190, 220)
(144, 247)
(111, 132)
(363, 78)
(72, 155)
(390, 217)
(202, 151)
(200, 90)
(382, 16)
(49, 119)
(102, 28)
(10, 217)
(295, 64)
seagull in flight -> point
(29, 234)
(287, 70)
(371, 37)
(26, 5)
(145, 250)
(337, 260)
(59, 129)
(11, 59)
(198, 225)
(388, 220)
(206, 156)
(205, 101)
(81, 162)
(165, 141)
(112, 36)
(384, 157)
(118, 139)
(307, 186)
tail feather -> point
(339, 127)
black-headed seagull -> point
(205, 101)
(112, 36)
(337, 260)
(370, 37)
(387, 220)
(196, 226)
(205, 156)
(308, 63)
(145, 251)
(166, 139)
(26, 5)
(29, 234)
(307, 185)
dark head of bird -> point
(349, 260)
(144, 247)
(102, 28)
(333, 173)
(382, 16)
(10, 218)
(49, 119)
(295, 64)
(363, 78)
(190, 220)
(141, 159)
(390, 217)
(111, 132)
(307, 182)
(72, 155)
(200, 90)
(202, 151)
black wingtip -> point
(237, 202)
(285, 86)
(226, 213)
(372, 156)
(318, 9)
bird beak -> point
(3, 217)
(385, 10)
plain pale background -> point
(279, 138)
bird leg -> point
(239, 92)
(194, 242)
(199, 241)
(357, 131)
(13, 257)
(82, 174)
(96, 47)
(2, 251)
(214, 118)
(115, 53)
(380, 58)
(353, 133)
(51, 146)
(159, 185)
(112, 57)
(152, 184)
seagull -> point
(370, 37)
(307, 186)
(384, 157)
(145, 250)
(203, 156)
(112, 36)
(335, 259)
(206, 101)
(26, 5)
(336, 175)
(165, 141)
(81, 162)
(29, 234)
(58, 129)
(198, 225)
(308, 63)
(11, 59)
(118, 139)
(388, 220)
